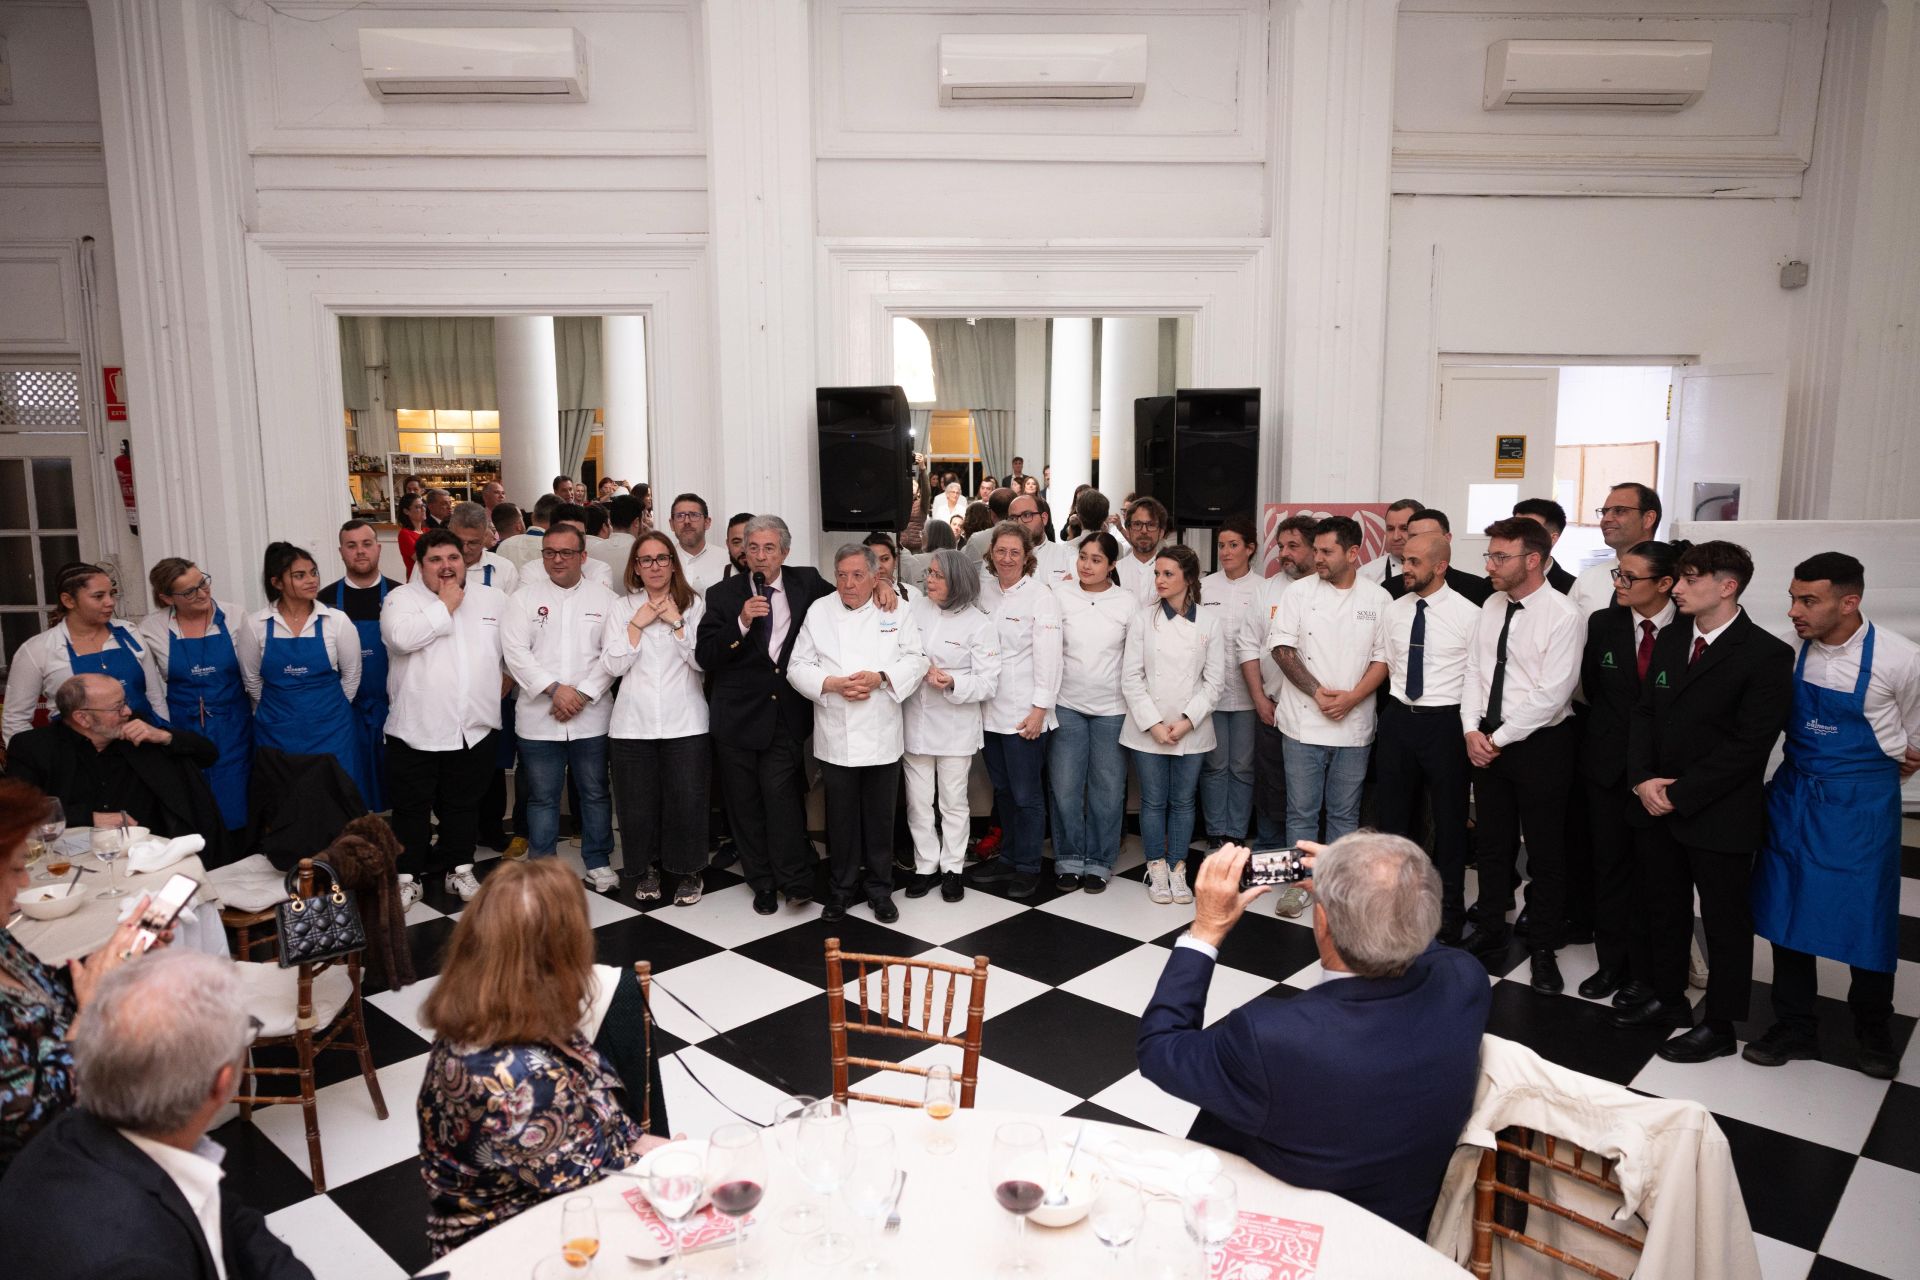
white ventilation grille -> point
(40, 400)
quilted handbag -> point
(322, 927)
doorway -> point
(46, 494)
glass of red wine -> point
(737, 1179)
(1017, 1167)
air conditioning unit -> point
(1608, 75)
(1035, 70)
(474, 64)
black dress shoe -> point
(1450, 935)
(1602, 984)
(921, 886)
(1489, 942)
(1023, 884)
(1702, 1044)
(1877, 1056)
(1066, 883)
(799, 897)
(725, 856)
(1473, 914)
(766, 903)
(883, 909)
(1092, 884)
(1546, 975)
(1520, 921)
(1654, 1013)
(1782, 1044)
(952, 886)
(834, 910)
(1635, 992)
(995, 872)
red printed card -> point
(1268, 1248)
(705, 1227)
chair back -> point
(1505, 1190)
(917, 1001)
(643, 973)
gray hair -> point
(856, 551)
(1382, 899)
(468, 515)
(764, 524)
(156, 1033)
(71, 696)
(963, 578)
(436, 493)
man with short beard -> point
(1146, 529)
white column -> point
(1070, 434)
(1129, 369)
(1030, 391)
(527, 383)
(623, 382)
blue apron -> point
(303, 710)
(370, 701)
(206, 694)
(123, 664)
(1827, 881)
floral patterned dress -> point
(504, 1127)
(36, 1063)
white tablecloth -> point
(950, 1225)
(57, 941)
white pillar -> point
(623, 381)
(527, 384)
(1070, 434)
(1129, 369)
(1030, 391)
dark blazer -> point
(55, 758)
(1710, 727)
(1475, 589)
(81, 1200)
(749, 694)
(1359, 1086)
(1610, 677)
(1559, 579)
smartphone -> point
(163, 909)
(1273, 866)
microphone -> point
(759, 583)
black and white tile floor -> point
(1829, 1160)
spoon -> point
(1058, 1196)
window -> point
(450, 433)
(912, 361)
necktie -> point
(1416, 652)
(1644, 655)
(1498, 686)
(1699, 647)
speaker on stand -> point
(1216, 456)
(866, 458)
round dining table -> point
(950, 1226)
(89, 927)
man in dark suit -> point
(1359, 1086)
(1426, 520)
(128, 1186)
(1553, 518)
(1717, 695)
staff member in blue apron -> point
(301, 662)
(192, 641)
(1827, 882)
(361, 595)
(84, 639)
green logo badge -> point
(1606, 660)
(1660, 681)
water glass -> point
(941, 1099)
(1118, 1210)
(737, 1180)
(108, 843)
(803, 1218)
(872, 1185)
(675, 1182)
(1212, 1209)
(824, 1153)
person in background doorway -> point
(192, 640)
(411, 515)
(492, 494)
(1629, 517)
(413, 485)
(439, 507)
(300, 659)
(84, 638)
(508, 521)
(484, 568)
(1293, 556)
(574, 516)
(950, 502)
(1552, 517)
(1146, 530)
(360, 595)
(1475, 588)
(1388, 570)
(1226, 779)
(999, 504)
(624, 518)
(563, 488)
(523, 548)
(987, 485)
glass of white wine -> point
(939, 1105)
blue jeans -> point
(1226, 780)
(1316, 774)
(1087, 770)
(1167, 787)
(546, 765)
(1014, 765)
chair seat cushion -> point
(273, 996)
(251, 884)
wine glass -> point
(1017, 1167)
(939, 1105)
(108, 844)
(1212, 1209)
(872, 1184)
(579, 1231)
(803, 1218)
(675, 1181)
(822, 1151)
(737, 1174)
(52, 825)
(1118, 1210)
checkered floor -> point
(1829, 1160)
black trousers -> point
(860, 809)
(766, 795)
(1796, 985)
(1670, 872)
(1619, 924)
(1269, 784)
(660, 795)
(448, 783)
(1423, 751)
(1524, 793)
(1579, 845)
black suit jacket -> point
(1559, 579)
(749, 696)
(1475, 589)
(81, 1200)
(1710, 727)
(55, 759)
(1610, 677)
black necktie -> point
(1416, 648)
(1491, 719)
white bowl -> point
(1079, 1190)
(50, 901)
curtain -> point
(576, 430)
(576, 351)
(973, 368)
(993, 428)
(440, 362)
(922, 423)
(353, 367)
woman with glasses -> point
(84, 639)
(1087, 770)
(193, 643)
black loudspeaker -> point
(1153, 448)
(1216, 456)
(866, 458)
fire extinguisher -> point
(123, 467)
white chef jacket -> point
(1893, 687)
(1026, 619)
(944, 508)
(40, 667)
(1543, 664)
(157, 630)
(1593, 589)
(964, 644)
(560, 645)
(1338, 635)
(1094, 626)
(1451, 619)
(1174, 667)
(1252, 639)
(1137, 575)
(706, 568)
(338, 633)
(443, 668)
(504, 576)
(521, 548)
(612, 551)
(661, 695)
(1229, 599)
(1058, 563)
(837, 641)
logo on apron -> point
(293, 671)
(1824, 730)
(204, 671)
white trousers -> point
(947, 849)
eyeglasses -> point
(546, 554)
(205, 587)
(112, 709)
(685, 517)
(1604, 512)
(1501, 557)
(1142, 526)
(1621, 575)
(654, 562)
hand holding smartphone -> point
(163, 909)
(1273, 866)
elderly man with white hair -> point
(1358, 1086)
(127, 1184)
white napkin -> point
(157, 855)
(1164, 1172)
(186, 915)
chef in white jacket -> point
(1086, 767)
(858, 664)
(552, 642)
(943, 719)
(1172, 674)
(1226, 780)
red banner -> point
(1372, 517)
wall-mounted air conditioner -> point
(474, 64)
(1608, 75)
(1036, 70)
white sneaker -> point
(1696, 967)
(1291, 901)
(1182, 892)
(409, 893)
(603, 879)
(1158, 888)
(460, 880)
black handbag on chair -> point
(324, 926)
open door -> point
(1494, 446)
(1730, 426)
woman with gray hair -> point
(943, 719)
